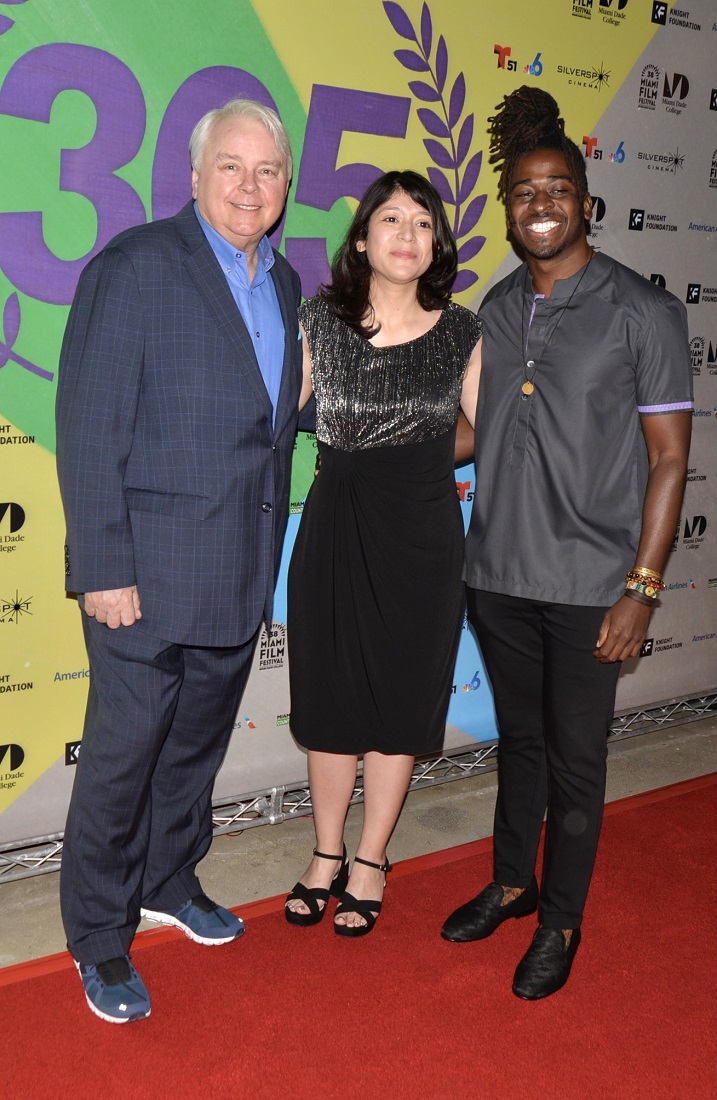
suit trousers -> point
(158, 723)
(554, 703)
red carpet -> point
(300, 1013)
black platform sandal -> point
(364, 907)
(311, 896)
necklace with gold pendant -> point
(530, 367)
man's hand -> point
(116, 607)
(623, 630)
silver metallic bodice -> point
(377, 397)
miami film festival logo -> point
(697, 354)
(649, 88)
(272, 646)
(582, 9)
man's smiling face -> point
(546, 215)
(241, 182)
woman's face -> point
(399, 241)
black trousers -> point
(554, 702)
(158, 723)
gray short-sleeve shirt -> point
(561, 473)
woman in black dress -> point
(375, 590)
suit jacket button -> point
(266, 507)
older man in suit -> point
(177, 407)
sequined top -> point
(389, 396)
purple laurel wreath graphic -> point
(10, 330)
(451, 157)
(5, 21)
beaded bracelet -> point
(639, 572)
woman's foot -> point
(325, 876)
(366, 884)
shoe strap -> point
(363, 906)
(385, 867)
(323, 855)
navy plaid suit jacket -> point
(172, 476)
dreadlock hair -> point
(348, 292)
(529, 119)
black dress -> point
(375, 597)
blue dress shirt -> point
(257, 302)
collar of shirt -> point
(257, 302)
(232, 260)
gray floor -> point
(260, 862)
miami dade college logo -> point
(12, 755)
(16, 515)
(675, 90)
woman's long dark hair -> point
(529, 119)
(348, 292)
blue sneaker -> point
(114, 990)
(202, 920)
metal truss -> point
(40, 855)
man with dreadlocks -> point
(582, 438)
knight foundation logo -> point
(649, 88)
(272, 646)
(641, 220)
(659, 12)
(713, 170)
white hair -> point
(241, 108)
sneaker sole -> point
(111, 1019)
(205, 941)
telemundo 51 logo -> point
(594, 152)
(509, 64)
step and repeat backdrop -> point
(96, 106)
